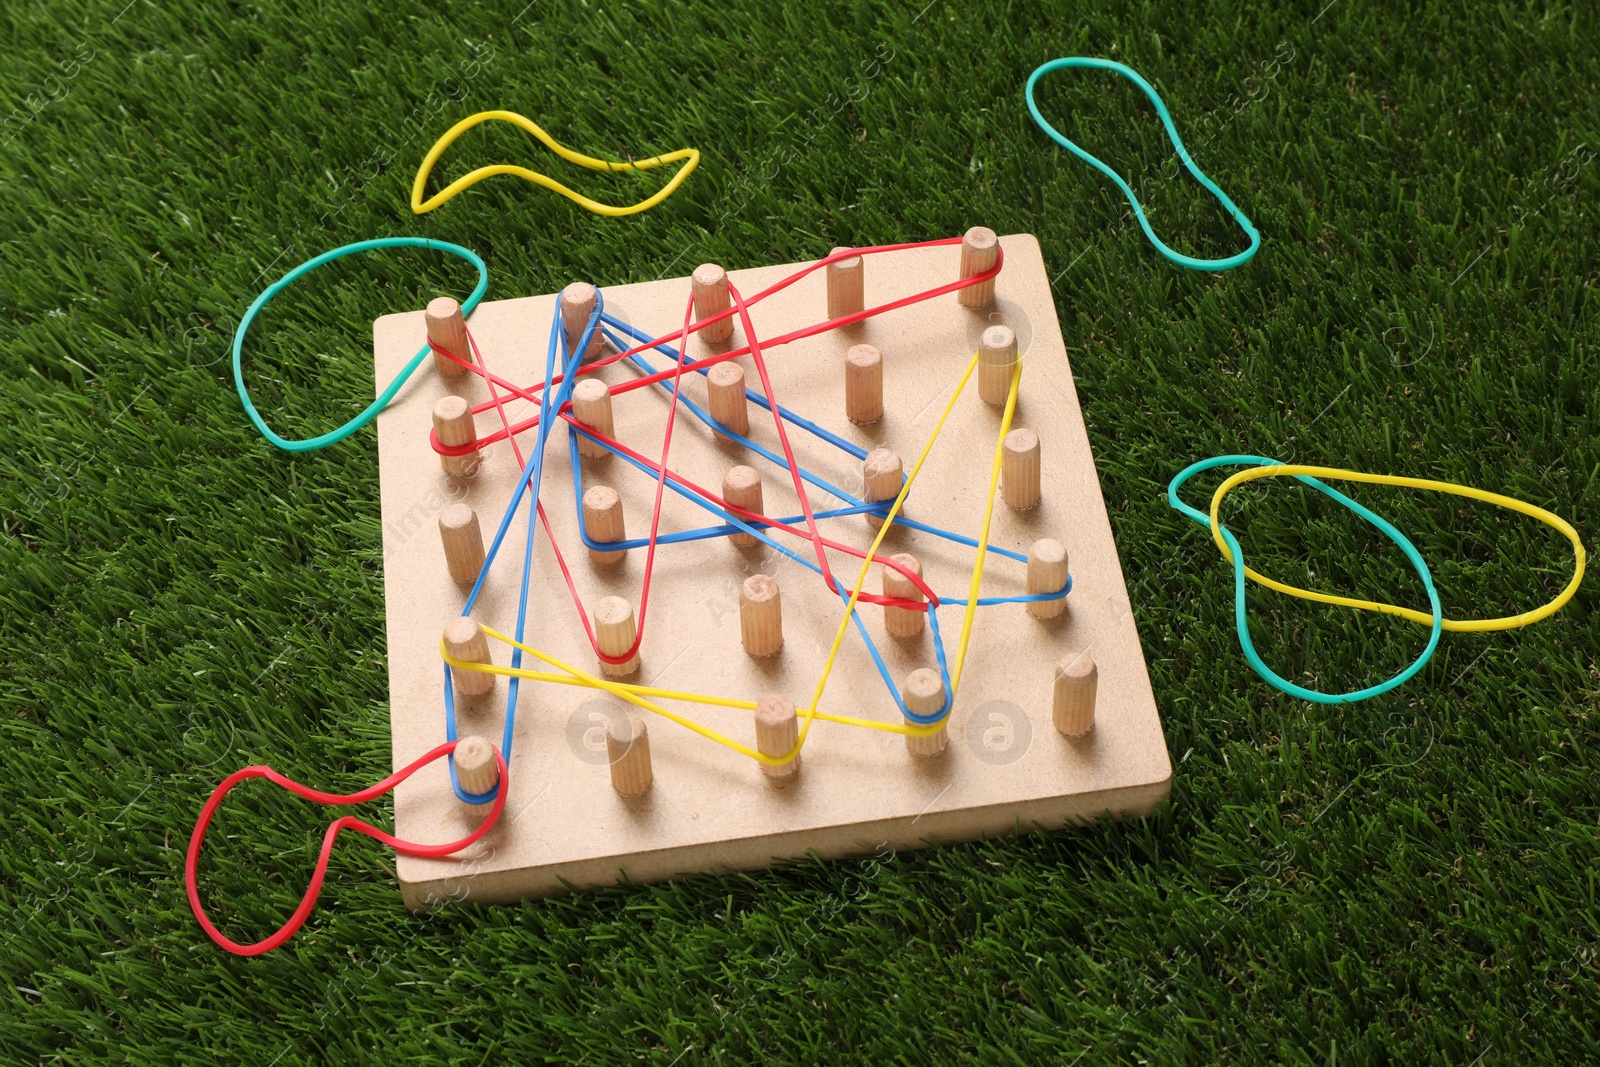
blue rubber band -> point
(371, 412)
(1127, 191)
(1241, 619)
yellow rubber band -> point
(689, 156)
(1509, 622)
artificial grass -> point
(1411, 879)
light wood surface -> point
(709, 808)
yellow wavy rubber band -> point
(1509, 622)
(640, 695)
(689, 156)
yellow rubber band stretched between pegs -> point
(689, 156)
(1508, 622)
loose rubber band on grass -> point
(191, 863)
(1235, 555)
(1127, 191)
(371, 411)
(1507, 622)
(689, 156)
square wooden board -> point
(1006, 768)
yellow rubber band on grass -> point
(689, 156)
(1508, 622)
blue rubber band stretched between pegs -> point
(334, 436)
(1127, 191)
(1241, 619)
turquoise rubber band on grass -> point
(1241, 620)
(1127, 191)
(334, 436)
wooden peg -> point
(628, 749)
(741, 487)
(452, 421)
(903, 622)
(863, 384)
(464, 640)
(602, 520)
(846, 289)
(777, 730)
(882, 474)
(709, 285)
(447, 330)
(923, 692)
(725, 386)
(476, 768)
(615, 632)
(463, 542)
(760, 616)
(577, 304)
(1047, 573)
(591, 405)
(979, 249)
(1072, 700)
(1019, 470)
(997, 356)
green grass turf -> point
(1411, 879)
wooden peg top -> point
(863, 356)
(1079, 668)
(998, 345)
(739, 479)
(457, 516)
(1048, 550)
(579, 297)
(589, 391)
(442, 309)
(709, 276)
(476, 768)
(880, 463)
(923, 691)
(1021, 441)
(614, 611)
(979, 239)
(773, 712)
(462, 632)
(726, 375)
(451, 410)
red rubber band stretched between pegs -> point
(531, 394)
(309, 900)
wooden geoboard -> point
(1005, 768)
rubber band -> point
(1235, 555)
(1226, 263)
(419, 206)
(191, 864)
(1508, 622)
(371, 411)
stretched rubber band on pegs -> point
(1227, 262)
(689, 156)
(1235, 555)
(371, 411)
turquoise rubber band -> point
(1241, 619)
(1127, 191)
(333, 436)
